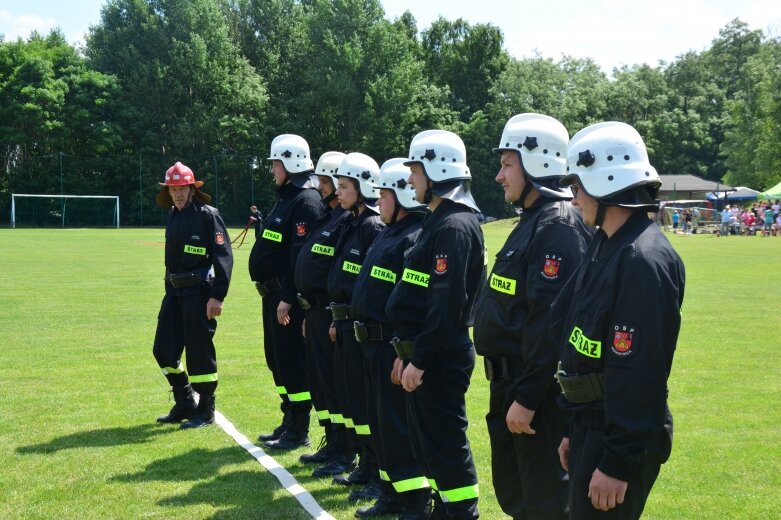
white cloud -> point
(15, 26)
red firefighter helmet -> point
(180, 175)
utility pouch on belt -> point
(303, 302)
(274, 284)
(340, 311)
(309, 302)
(404, 348)
(365, 332)
(581, 389)
(497, 368)
(191, 279)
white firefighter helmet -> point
(364, 169)
(328, 164)
(542, 142)
(610, 160)
(293, 151)
(442, 155)
(393, 176)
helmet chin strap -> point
(598, 221)
(396, 210)
(329, 198)
(527, 188)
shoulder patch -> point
(440, 267)
(219, 238)
(551, 266)
(301, 229)
(624, 340)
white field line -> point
(287, 480)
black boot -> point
(417, 505)
(342, 459)
(389, 503)
(284, 425)
(204, 413)
(324, 451)
(295, 436)
(184, 406)
(372, 490)
(365, 472)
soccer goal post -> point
(33, 210)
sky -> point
(612, 32)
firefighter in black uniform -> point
(198, 265)
(271, 263)
(405, 488)
(524, 421)
(356, 191)
(616, 322)
(430, 309)
(311, 277)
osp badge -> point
(219, 238)
(301, 229)
(551, 266)
(624, 336)
(440, 267)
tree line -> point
(211, 82)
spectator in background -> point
(768, 214)
(257, 219)
(726, 216)
(687, 222)
(776, 208)
(676, 219)
(777, 226)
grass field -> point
(79, 389)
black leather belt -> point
(365, 332)
(191, 279)
(316, 300)
(340, 311)
(581, 389)
(271, 285)
(497, 368)
(404, 348)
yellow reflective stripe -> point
(386, 275)
(588, 347)
(170, 370)
(337, 418)
(203, 378)
(194, 250)
(459, 494)
(433, 484)
(503, 285)
(363, 429)
(300, 396)
(415, 277)
(349, 422)
(282, 390)
(351, 267)
(323, 250)
(384, 476)
(410, 484)
(323, 415)
(272, 235)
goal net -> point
(64, 210)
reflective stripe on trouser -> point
(388, 421)
(319, 362)
(357, 402)
(436, 412)
(285, 350)
(182, 324)
(527, 476)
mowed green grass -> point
(79, 389)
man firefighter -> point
(287, 227)
(198, 265)
(524, 421)
(430, 309)
(616, 323)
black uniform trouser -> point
(356, 400)
(388, 421)
(319, 363)
(286, 355)
(528, 477)
(436, 413)
(587, 438)
(182, 324)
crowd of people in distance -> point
(762, 218)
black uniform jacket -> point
(317, 254)
(350, 252)
(432, 303)
(285, 230)
(382, 268)
(620, 315)
(511, 314)
(196, 240)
